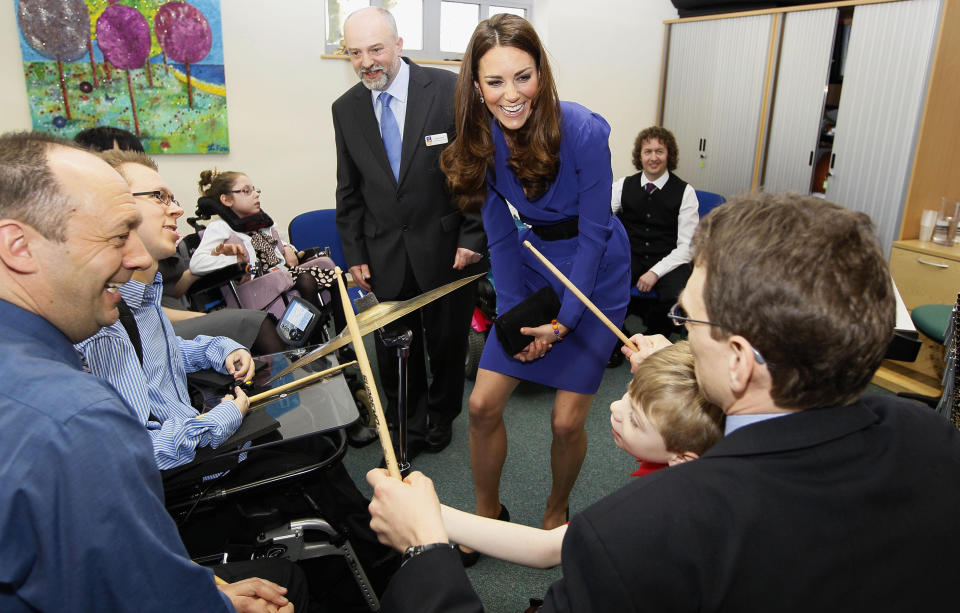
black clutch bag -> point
(536, 309)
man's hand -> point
(239, 364)
(647, 280)
(464, 258)
(647, 346)
(256, 595)
(405, 513)
(240, 399)
(360, 274)
(231, 249)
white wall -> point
(606, 55)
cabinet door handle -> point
(810, 161)
(934, 264)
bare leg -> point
(488, 437)
(567, 451)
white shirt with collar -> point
(687, 221)
(399, 89)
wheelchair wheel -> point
(476, 342)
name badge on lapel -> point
(435, 139)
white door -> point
(803, 70)
(884, 87)
(739, 67)
(689, 91)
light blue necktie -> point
(390, 133)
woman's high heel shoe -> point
(469, 559)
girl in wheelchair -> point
(244, 232)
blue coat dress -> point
(597, 261)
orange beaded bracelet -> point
(556, 329)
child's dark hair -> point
(665, 389)
(214, 184)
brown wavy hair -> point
(214, 184)
(663, 135)
(534, 159)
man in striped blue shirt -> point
(157, 391)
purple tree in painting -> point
(58, 30)
(184, 34)
(123, 36)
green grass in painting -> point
(167, 123)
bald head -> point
(372, 16)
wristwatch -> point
(414, 550)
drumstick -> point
(586, 301)
(301, 381)
(389, 457)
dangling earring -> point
(481, 98)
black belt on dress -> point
(558, 231)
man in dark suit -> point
(401, 234)
(816, 499)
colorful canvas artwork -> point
(153, 68)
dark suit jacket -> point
(384, 224)
(839, 509)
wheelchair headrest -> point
(208, 207)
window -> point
(431, 29)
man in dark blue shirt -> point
(82, 521)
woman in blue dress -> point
(518, 144)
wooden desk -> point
(925, 273)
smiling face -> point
(102, 249)
(374, 48)
(508, 81)
(244, 198)
(635, 434)
(158, 230)
(653, 158)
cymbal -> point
(376, 317)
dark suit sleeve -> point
(350, 202)
(433, 582)
(471, 233)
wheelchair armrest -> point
(220, 276)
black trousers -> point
(654, 311)
(442, 326)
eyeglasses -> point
(246, 191)
(678, 315)
(164, 199)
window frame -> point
(431, 26)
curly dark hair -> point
(665, 136)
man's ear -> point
(15, 247)
(399, 46)
(743, 363)
(680, 458)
